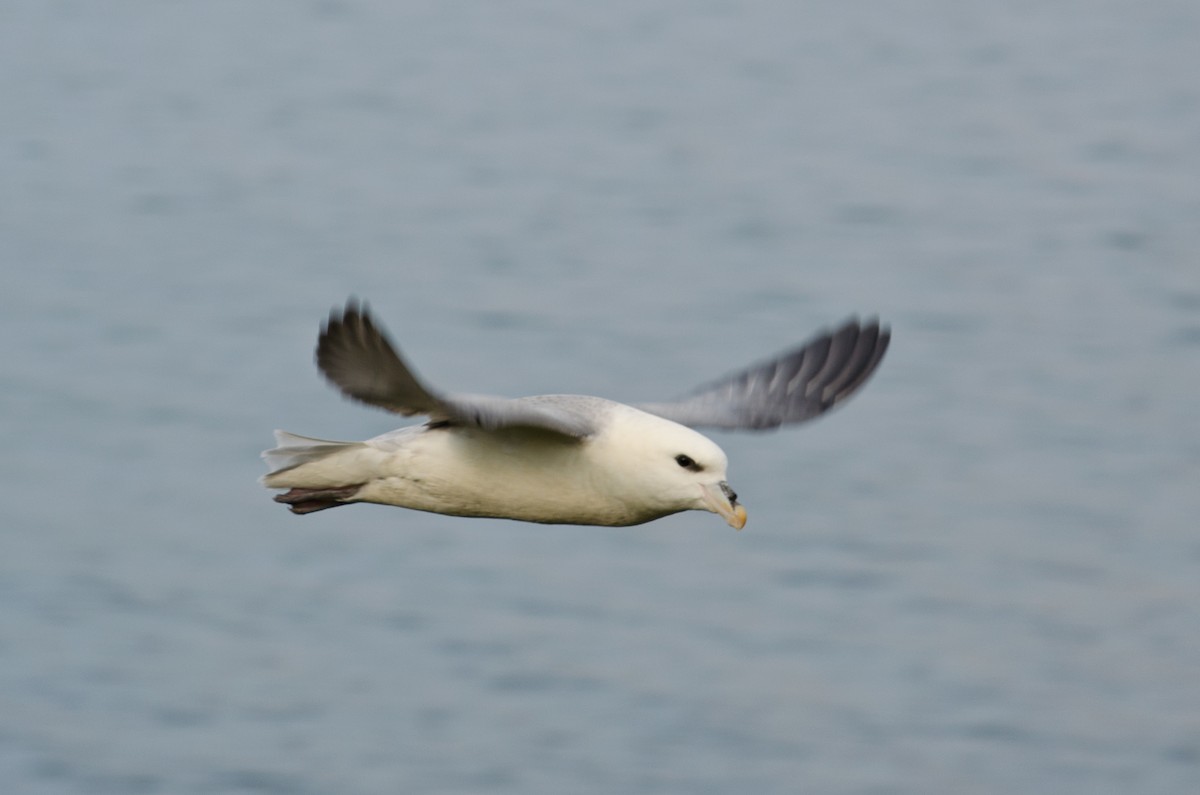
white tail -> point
(293, 451)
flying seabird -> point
(559, 459)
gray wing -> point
(354, 353)
(795, 386)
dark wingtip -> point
(344, 326)
(839, 360)
(871, 343)
(355, 354)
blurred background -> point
(980, 576)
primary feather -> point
(794, 386)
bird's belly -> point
(552, 503)
(522, 476)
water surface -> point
(980, 576)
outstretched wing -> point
(795, 386)
(355, 354)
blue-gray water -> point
(980, 576)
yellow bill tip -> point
(738, 519)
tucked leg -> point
(312, 500)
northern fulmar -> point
(556, 459)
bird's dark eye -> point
(686, 462)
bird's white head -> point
(670, 467)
